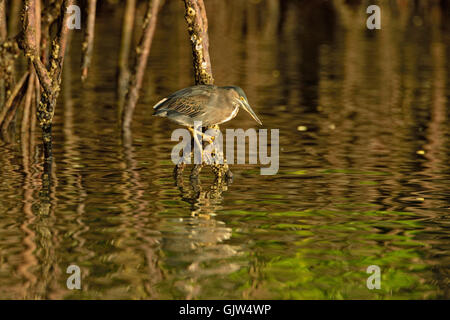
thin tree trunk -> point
(3, 26)
(197, 25)
(49, 14)
(28, 117)
(8, 54)
(25, 126)
(142, 52)
(198, 31)
(14, 106)
(33, 112)
(13, 97)
(124, 54)
(13, 22)
(88, 43)
(50, 80)
(3, 36)
(36, 96)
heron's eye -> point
(242, 98)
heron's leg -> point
(206, 158)
(194, 132)
(200, 145)
(197, 167)
(194, 136)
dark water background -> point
(367, 182)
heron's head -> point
(242, 101)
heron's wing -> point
(189, 102)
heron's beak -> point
(249, 109)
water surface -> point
(363, 182)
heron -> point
(209, 105)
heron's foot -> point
(208, 138)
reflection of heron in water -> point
(199, 240)
(204, 203)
